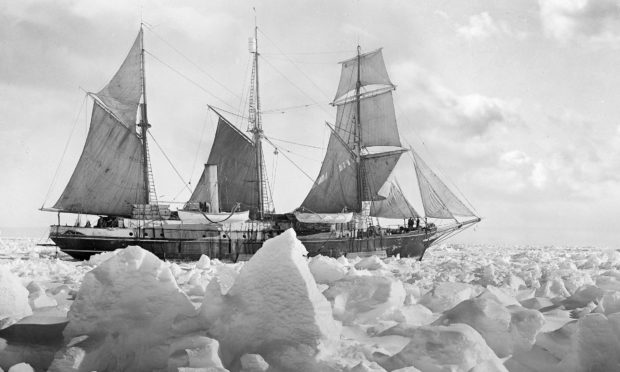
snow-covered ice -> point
(464, 308)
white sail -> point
(352, 172)
(395, 205)
(235, 156)
(109, 176)
(372, 72)
(378, 121)
(437, 199)
(122, 94)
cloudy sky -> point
(515, 102)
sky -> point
(514, 103)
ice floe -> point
(464, 308)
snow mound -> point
(126, 306)
(370, 263)
(326, 269)
(457, 347)
(365, 299)
(98, 259)
(21, 367)
(195, 352)
(38, 298)
(445, 295)
(203, 263)
(253, 363)
(595, 345)
(13, 298)
(274, 309)
(505, 331)
(365, 366)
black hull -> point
(406, 244)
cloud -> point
(539, 175)
(592, 20)
(482, 26)
(490, 144)
(515, 157)
(466, 115)
(350, 29)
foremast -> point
(364, 148)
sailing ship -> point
(230, 212)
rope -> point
(292, 152)
(229, 112)
(188, 79)
(190, 61)
(284, 109)
(296, 143)
(170, 162)
(296, 86)
(64, 151)
(225, 219)
(243, 101)
(294, 64)
(202, 131)
(310, 53)
(289, 159)
(273, 171)
(470, 205)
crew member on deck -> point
(410, 223)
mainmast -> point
(357, 135)
(256, 129)
(144, 125)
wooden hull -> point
(81, 243)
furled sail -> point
(108, 177)
(395, 205)
(437, 199)
(235, 156)
(378, 121)
(122, 94)
(372, 72)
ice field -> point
(463, 308)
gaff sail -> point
(235, 156)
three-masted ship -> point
(230, 212)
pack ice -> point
(464, 308)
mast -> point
(257, 131)
(357, 134)
(144, 124)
